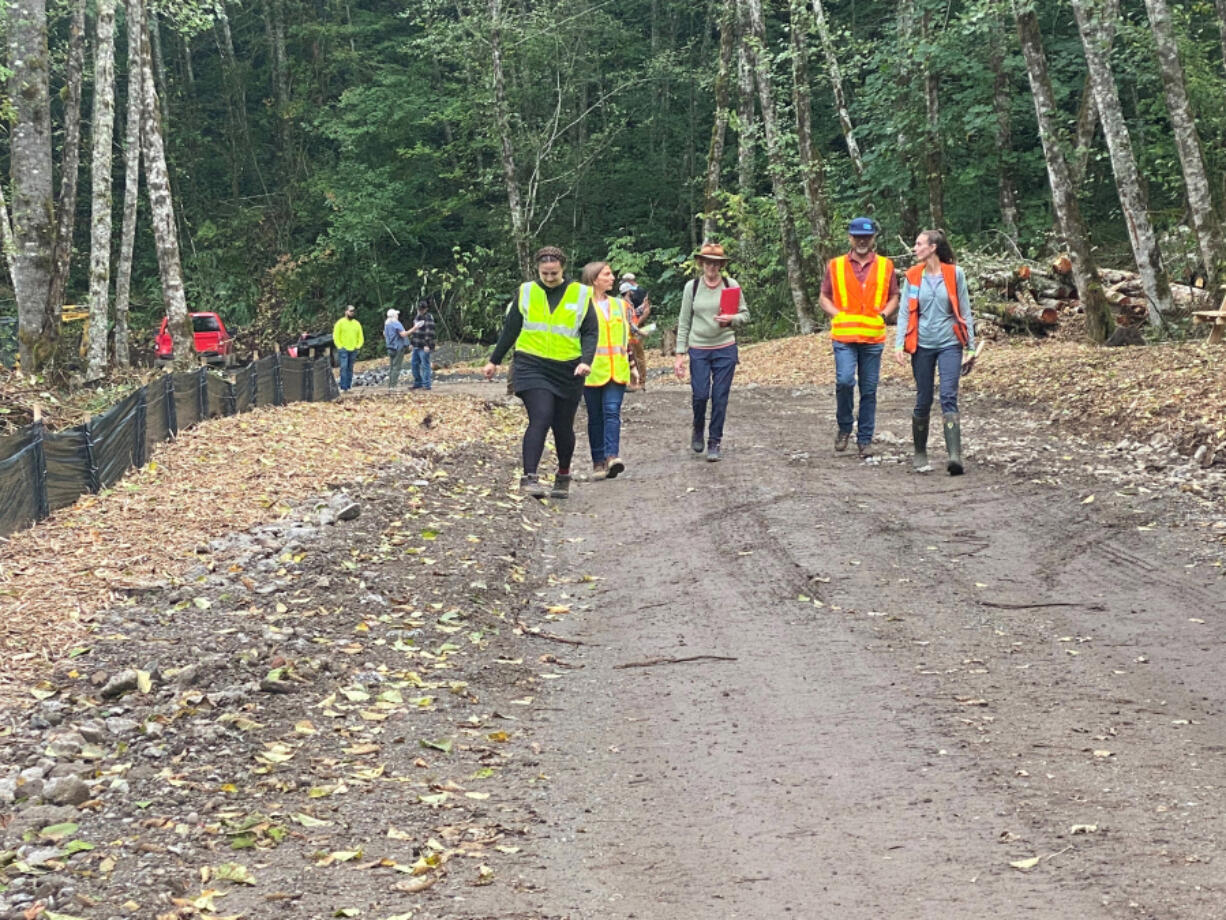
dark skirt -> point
(558, 377)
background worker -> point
(859, 291)
(554, 332)
(394, 336)
(640, 304)
(348, 339)
(422, 338)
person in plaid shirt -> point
(421, 336)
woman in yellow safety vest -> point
(553, 330)
(936, 329)
(606, 384)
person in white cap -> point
(396, 338)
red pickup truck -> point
(213, 342)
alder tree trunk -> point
(836, 85)
(162, 214)
(70, 169)
(1220, 6)
(1187, 140)
(746, 112)
(1087, 111)
(7, 246)
(719, 130)
(908, 210)
(934, 143)
(502, 124)
(131, 186)
(102, 137)
(274, 21)
(1099, 318)
(1091, 15)
(236, 99)
(158, 65)
(811, 167)
(30, 162)
(1002, 99)
(778, 168)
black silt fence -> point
(43, 471)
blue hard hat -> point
(862, 226)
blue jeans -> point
(850, 358)
(924, 365)
(604, 420)
(347, 359)
(711, 371)
(423, 373)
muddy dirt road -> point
(900, 685)
(787, 685)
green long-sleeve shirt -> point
(697, 328)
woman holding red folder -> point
(712, 307)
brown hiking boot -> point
(840, 440)
(531, 485)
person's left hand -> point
(582, 370)
(428, 349)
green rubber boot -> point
(919, 436)
(953, 443)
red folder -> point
(729, 301)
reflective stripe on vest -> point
(859, 304)
(915, 277)
(553, 335)
(612, 360)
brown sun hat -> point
(714, 252)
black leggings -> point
(545, 411)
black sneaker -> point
(713, 452)
(531, 485)
(696, 441)
(561, 486)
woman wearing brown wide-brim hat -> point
(706, 335)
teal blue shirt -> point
(936, 312)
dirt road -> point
(786, 685)
(931, 678)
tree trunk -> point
(836, 85)
(1091, 16)
(719, 130)
(274, 20)
(1087, 111)
(1002, 98)
(811, 167)
(159, 66)
(30, 158)
(746, 110)
(1220, 6)
(131, 189)
(70, 169)
(1187, 140)
(7, 246)
(100, 172)
(1099, 320)
(756, 41)
(908, 211)
(162, 213)
(934, 143)
(502, 124)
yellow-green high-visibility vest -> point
(612, 361)
(553, 335)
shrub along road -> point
(787, 684)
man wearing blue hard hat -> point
(859, 291)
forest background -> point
(319, 153)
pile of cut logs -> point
(1033, 298)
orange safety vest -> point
(915, 276)
(859, 304)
